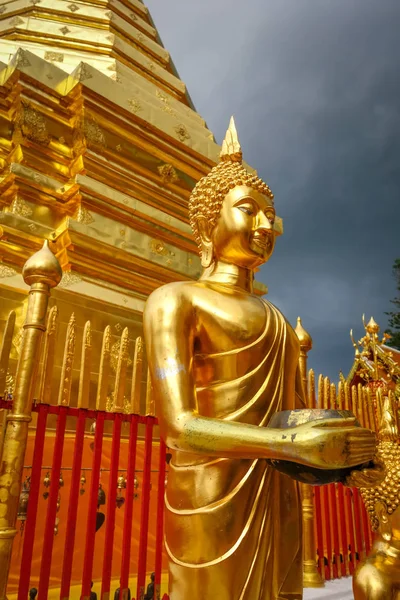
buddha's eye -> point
(270, 217)
(246, 209)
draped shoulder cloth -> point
(252, 550)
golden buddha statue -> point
(378, 577)
(222, 362)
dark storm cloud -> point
(315, 89)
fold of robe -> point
(233, 526)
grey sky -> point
(315, 89)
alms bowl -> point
(287, 419)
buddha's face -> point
(244, 233)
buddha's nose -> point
(264, 225)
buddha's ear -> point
(207, 247)
(203, 225)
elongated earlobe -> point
(207, 247)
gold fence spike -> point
(149, 396)
(137, 376)
(379, 406)
(120, 377)
(85, 372)
(354, 401)
(326, 392)
(371, 411)
(347, 401)
(320, 392)
(49, 353)
(311, 389)
(5, 350)
(104, 371)
(360, 405)
(333, 397)
(64, 395)
(340, 396)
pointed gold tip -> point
(231, 150)
(304, 337)
(372, 326)
(42, 267)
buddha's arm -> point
(170, 328)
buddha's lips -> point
(263, 241)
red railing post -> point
(91, 519)
(73, 505)
(110, 519)
(345, 541)
(48, 539)
(30, 526)
(144, 517)
(160, 520)
(318, 520)
(130, 494)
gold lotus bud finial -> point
(231, 150)
(372, 326)
(42, 267)
(304, 337)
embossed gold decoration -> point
(69, 279)
(41, 273)
(168, 174)
(84, 216)
(6, 271)
(32, 124)
(222, 362)
(19, 207)
(54, 56)
(94, 133)
(182, 133)
(134, 105)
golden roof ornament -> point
(372, 326)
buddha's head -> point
(232, 212)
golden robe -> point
(233, 526)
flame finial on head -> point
(231, 150)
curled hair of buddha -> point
(209, 193)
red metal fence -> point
(114, 489)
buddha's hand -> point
(333, 444)
(367, 478)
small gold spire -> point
(231, 150)
(372, 326)
(42, 267)
(304, 337)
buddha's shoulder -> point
(176, 294)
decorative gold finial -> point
(42, 267)
(355, 346)
(231, 150)
(304, 337)
(372, 326)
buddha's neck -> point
(230, 275)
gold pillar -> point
(41, 272)
(311, 577)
